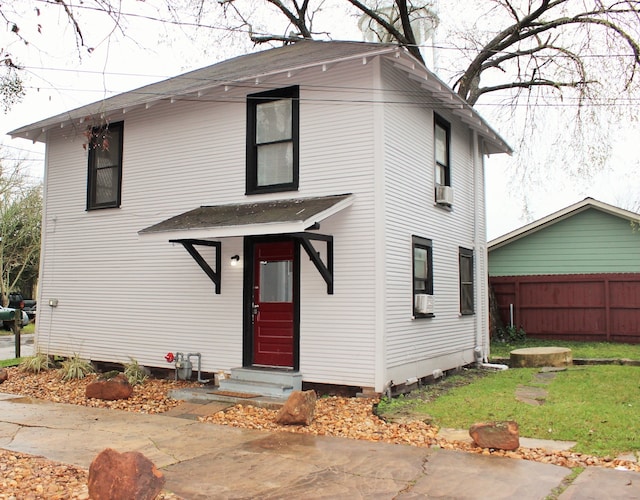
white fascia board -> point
(215, 233)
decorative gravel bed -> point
(27, 477)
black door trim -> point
(247, 297)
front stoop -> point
(268, 382)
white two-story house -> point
(316, 209)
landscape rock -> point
(4, 375)
(124, 476)
(299, 409)
(496, 435)
(110, 389)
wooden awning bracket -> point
(189, 246)
(305, 239)
(325, 270)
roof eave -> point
(450, 100)
(35, 131)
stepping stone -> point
(534, 396)
(544, 378)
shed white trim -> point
(557, 217)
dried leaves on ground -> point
(351, 418)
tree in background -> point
(494, 45)
(500, 44)
(21, 19)
(551, 74)
(20, 226)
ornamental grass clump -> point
(134, 372)
(75, 368)
(37, 363)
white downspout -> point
(479, 244)
(380, 376)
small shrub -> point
(511, 334)
(75, 368)
(35, 364)
(135, 373)
(109, 375)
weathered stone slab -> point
(534, 396)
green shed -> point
(573, 275)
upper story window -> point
(105, 167)
(466, 281)
(422, 277)
(442, 134)
(272, 141)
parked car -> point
(17, 301)
(9, 312)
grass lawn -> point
(30, 328)
(596, 406)
(10, 362)
(587, 350)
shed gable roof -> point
(289, 58)
(560, 215)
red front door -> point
(273, 304)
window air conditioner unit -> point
(444, 195)
(424, 303)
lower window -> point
(422, 277)
(466, 281)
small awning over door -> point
(293, 217)
(250, 219)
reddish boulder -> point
(298, 409)
(110, 389)
(124, 476)
(4, 375)
(497, 435)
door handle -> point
(255, 308)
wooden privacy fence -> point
(588, 307)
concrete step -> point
(269, 389)
(270, 375)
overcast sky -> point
(58, 79)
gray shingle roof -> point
(297, 210)
(290, 57)
(303, 54)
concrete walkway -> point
(8, 346)
(205, 461)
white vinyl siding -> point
(416, 347)
(122, 295)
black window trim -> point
(465, 253)
(292, 93)
(427, 244)
(117, 127)
(441, 122)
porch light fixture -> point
(234, 260)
